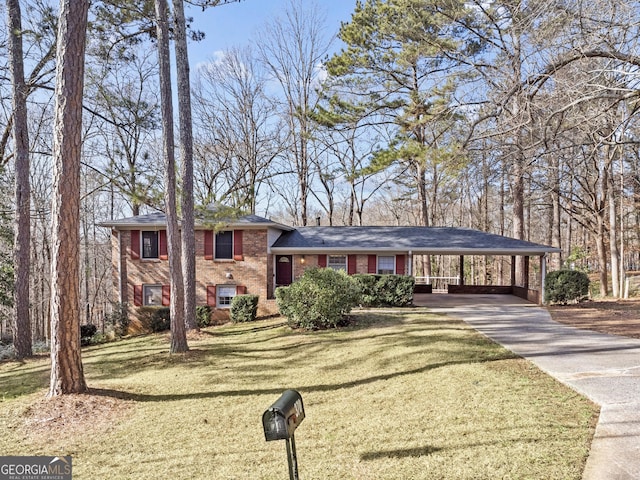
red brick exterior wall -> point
(311, 261)
(253, 272)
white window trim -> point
(333, 266)
(218, 291)
(385, 256)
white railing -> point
(439, 284)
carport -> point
(412, 241)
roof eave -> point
(415, 251)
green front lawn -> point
(406, 394)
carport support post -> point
(461, 269)
(543, 276)
(513, 270)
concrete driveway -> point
(604, 368)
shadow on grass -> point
(263, 328)
(400, 453)
(144, 397)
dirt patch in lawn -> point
(615, 317)
(54, 420)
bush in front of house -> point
(564, 286)
(244, 308)
(156, 319)
(321, 298)
(386, 290)
(203, 316)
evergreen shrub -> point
(386, 290)
(321, 298)
(244, 308)
(203, 316)
(564, 286)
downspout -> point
(410, 255)
(120, 267)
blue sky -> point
(237, 23)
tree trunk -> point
(22, 220)
(186, 149)
(66, 364)
(178, 331)
(616, 288)
(602, 255)
(556, 220)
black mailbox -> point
(283, 417)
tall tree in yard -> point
(293, 51)
(22, 221)
(178, 330)
(186, 166)
(399, 56)
(66, 364)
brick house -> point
(254, 255)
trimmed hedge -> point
(564, 286)
(244, 308)
(203, 316)
(321, 298)
(386, 290)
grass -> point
(403, 395)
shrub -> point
(203, 316)
(119, 318)
(369, 293)
(321, 298)
(563, 286)
(7, 352)
(156, 319)
(386, 290)
(86, 332)
(40, 347)
(244, 308)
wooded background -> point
(512, 117)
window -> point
(224, 245)
(149, 245)
(225, 295)
(337, 262)
(386, 265)
(152, 294)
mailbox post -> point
(280, 421)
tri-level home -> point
(252, 254)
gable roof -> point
(418, 240)
(159, 220)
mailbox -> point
(283, 417)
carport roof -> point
(417, 240)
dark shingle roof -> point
(159, 220)
(419, 240)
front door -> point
(284, 272)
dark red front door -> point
(283, 270)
